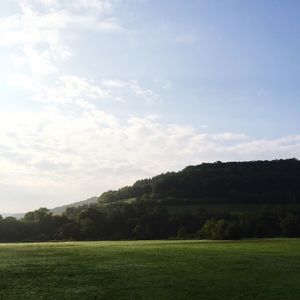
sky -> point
(95, 94)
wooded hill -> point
(255, 182)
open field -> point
(258, 269)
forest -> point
(145, 210)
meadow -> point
(253, 269)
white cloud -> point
(47, 3)
(71, 148)
(98, 5)
(265, 148)
(81, 91)
(92, 150)
(39, 36)
(114, 83)
(72, 88)
(147, 94)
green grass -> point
(258, 269)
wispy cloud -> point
(97, 6)
(76, 90)
(38, 35)
(93, 150)
(72, 148)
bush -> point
(182, 232)
(220, 230)
(290, 226)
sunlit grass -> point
(257, 269)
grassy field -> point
(261, 269)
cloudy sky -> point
(95, 94)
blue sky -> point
(96, 94)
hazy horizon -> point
(97, 94)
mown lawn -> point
(260, 269)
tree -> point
(69, 231)
(220, 230)
(88, 228)
(290, 225)
(207, 229)
(182, 232)
(139, 232)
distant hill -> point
(255, 182)
(17, 215)
(60, 209)
(219, 183)
(57, 210)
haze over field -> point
(97, 94)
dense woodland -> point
(145, 209)
(260, 182)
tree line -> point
(139, 220)
(261, 182)
(145, 210)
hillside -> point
(60, 209)
(14, 215)
(254, 182)
(56, 210)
